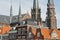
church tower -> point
(51, 18)
(36, 11)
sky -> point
(26, 5)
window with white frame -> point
(38, 34)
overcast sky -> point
(26, 5)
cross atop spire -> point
(35, 4)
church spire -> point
(51, 18)
(11, 12)
(19, 14)
(35, 12)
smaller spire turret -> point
(35, 4)
(19, 14)
(50, 4)
(11, 12)
(51, 1)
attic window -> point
(38, 34)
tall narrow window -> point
(38, 34)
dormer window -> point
(30, 34)
(38, 34)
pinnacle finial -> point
(11, 12)
(11, 8)
(51, 1)
(19, 10)
(35, 4)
